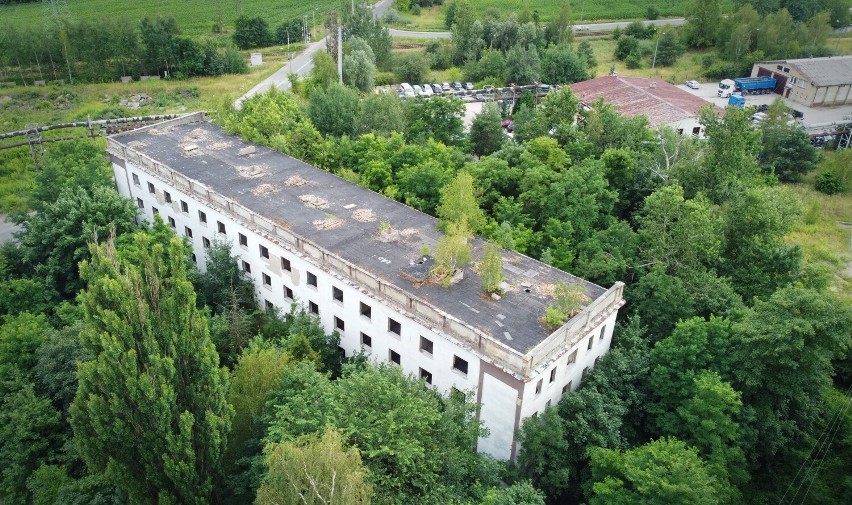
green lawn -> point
(591, 10)
(194, 17)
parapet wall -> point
(409, 305)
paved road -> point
(301, 64)
(591, 27)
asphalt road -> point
(303, 63)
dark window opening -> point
(339, 324)
(155, 210)
(243, 240)
(394, 327)
(140, 203)
(136, 180)
(167, 196)
(269, 306)
(426, 376)
(205, 242)
(366, 340)
(572, 358)
(426, 345)
(553, 374)
(366, 311)
(184, 207)
(312, 280)
(288, 293)
(538, 386)
(460, 364)
(221, 227)
(264, 252)
(267, 280)
(151, 188)
(314, 308)
(285, 264)
(337, 294)
(246, 267)
(188, 231)
(202, 216)
(172, 222)
(394, 357)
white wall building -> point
(309, 237)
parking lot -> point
(812, 115)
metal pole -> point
(340, 54)
(654, 63)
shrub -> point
(653, 13)
(626, 45)
(828, 183)
(251, 32)
(634, 60)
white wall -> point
(499, 401)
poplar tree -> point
(151, 410)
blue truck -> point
(747, 86)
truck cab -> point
(726, 87)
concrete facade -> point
(811, 81)
(428, 331)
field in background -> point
(591, 11)
(194, 17)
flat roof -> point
(344, 219)
(662, 102)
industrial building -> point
(355, 259)
(812, 82)
(664, 104)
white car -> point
(693, 84)
(581, 28)
(427, 90)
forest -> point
(127, 375)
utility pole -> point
(654, 63)
(340, 54)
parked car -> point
(458, 86)
(468, 86)
(406, 90)
(418, 91)
(693, 84)
(437, 89)
(427, 90)
(581, 28)
(445, 86)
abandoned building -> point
(356, 260)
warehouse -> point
(662, 103)
(355, 260)
(811, 81)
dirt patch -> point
(265, 189)
(364, 215)
(329, 223)
(252, 171)
(295, 181)
(313, 202)
(408, 232)
(218, 146)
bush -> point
(829, 183)
(626, 46)
(634, 60)
(653, 13)
(251, 32)
(289, 30)
(391, 16)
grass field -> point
(194, 17)
(432, 19)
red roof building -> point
(661, 102)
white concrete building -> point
(306, 236)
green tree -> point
(559, 30)
(55, 372)
(359, 71)
(526, 125)
(545, 452)
(381, 114)
(626, 46)
(151, 409)
(334, 110)
(661, 300)
(681, 235)
(669, 48)
(224, 285)
(519, 493)
(54, 240)
(452, 252)
(560, 65)
(486, 134)
(76, 164)
(491, 267)
(30, 435)
(314, 470)
(662, 471)
(251, 32)
(324, 73)
(420, 185)
(411, 67)
(492, 65)
(439, 118)
(159, 39)
(459, 204)
(587, 54)
(466, 32)
(703, 19)
(787, 150)
(523, 65)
